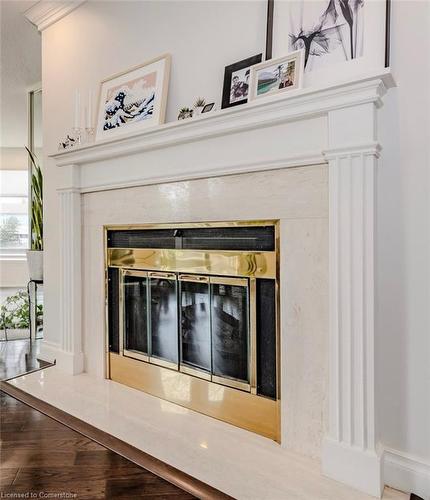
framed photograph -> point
(134, 99)
(236, 81)
(341, 39)
(276, 75)
(208, 107)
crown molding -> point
(47, 12)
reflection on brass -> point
(229, 281)
(231, 382)
(130, 272)
(245, 410)
(253, 334)
(194, 278)
(136, 355)
(224, 263)
(194, 372)
(190, 225)
(166, 276)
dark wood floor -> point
(38, 454)
(18, 357)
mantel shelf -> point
(296, 105)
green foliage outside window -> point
(15, 314)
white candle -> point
(89, 123)
(77, 120)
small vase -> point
(197, 111)
(35, 264)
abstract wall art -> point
(340, 38)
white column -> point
(70, 356)
(350, 447)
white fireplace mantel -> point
(335, 126)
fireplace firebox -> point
(193, 317)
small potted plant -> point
(185, 113)
(35, 254)
(198, 106)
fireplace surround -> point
(196, 171)
(198, 301)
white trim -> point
(218, 171)
(361, 469)
(68, 362)
(407, 473)
(45, 12)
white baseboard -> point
(361, 469)
(406, 473)
(72, 363)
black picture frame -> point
(208, 107)
(228, 72)
(269, 30)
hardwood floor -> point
(18, 357)
(39, 454)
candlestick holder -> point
(89, 134)
(77, 136)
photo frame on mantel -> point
(236, 81)
(341, 39)
(133, 100)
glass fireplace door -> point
(195, 325)
(163, 319)
(135, 314)
(230, 332)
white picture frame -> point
(133, 100)
(331, 61)
(276, 76)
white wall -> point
(20, 61)
(403, 245)
(13, 273)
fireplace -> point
(193, 317)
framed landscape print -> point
(276, 76)
(134, 99)
(341, 39)
(236, 81)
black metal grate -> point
(251, 238)
(113, 309)
(266, 338)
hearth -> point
(192, 317)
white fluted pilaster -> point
(350, 450)
(71, 356)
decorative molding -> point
(71, 276)
(370, 149)
(45, 12)
(407, 473)
(297, 105)
(218, 171)
(349, 450)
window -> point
(13, 212)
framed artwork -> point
(133, 100)
(236, 81)
(208, 107)
(341, 39)
(276, 76)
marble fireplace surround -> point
(331, 134)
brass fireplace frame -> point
(206, 393)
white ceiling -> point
(20, 66)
